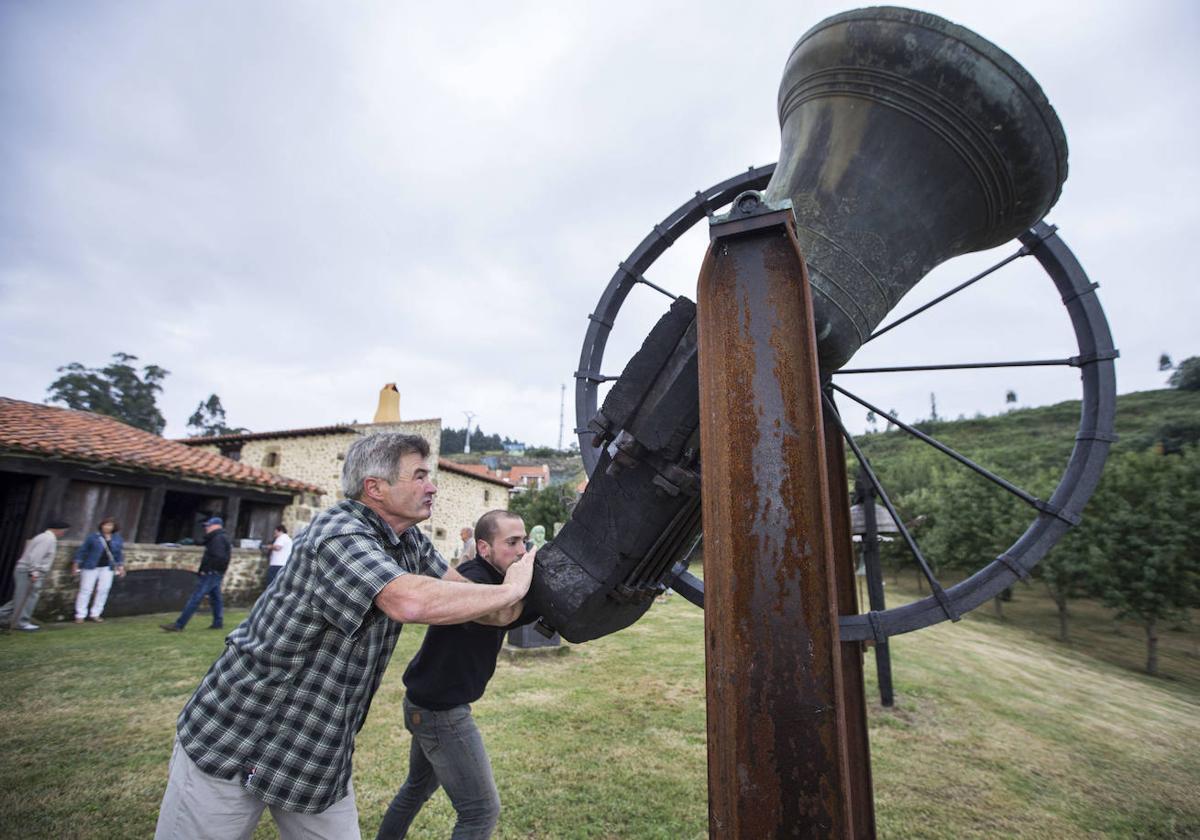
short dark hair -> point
(280, 528)
(116, 525)
(58, 524)
(489, 524)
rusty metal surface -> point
(776, 726)
(854, 695)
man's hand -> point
(75, 570)
(34, 575)
(520, 573)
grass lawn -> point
(998, 731)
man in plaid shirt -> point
(272, 724)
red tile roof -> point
(47, 431)
(519, 472)
(478, 471)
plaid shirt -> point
(279, 709)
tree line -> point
(1133, 550)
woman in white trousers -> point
(99, 557)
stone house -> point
(463, 496)
(315, 456)
(84, 466)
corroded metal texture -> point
(776, 725)
(854, 696)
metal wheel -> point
(1050, 518)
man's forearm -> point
(503, 617)
(415, 599)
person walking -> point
(29, 574)
(217, 549)
(97, 559)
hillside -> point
(1031, 438)
(1023, 440)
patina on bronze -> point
(907, 140)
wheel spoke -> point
(595, 377)
(938, 592)
(1071, 362)
(1029, 499)
(1020, 253)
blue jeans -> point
(208, 584)
(447, 751)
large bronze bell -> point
(907, 140)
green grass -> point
(998, 731)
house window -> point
(440, 533)
(487, 495)
(271, 459)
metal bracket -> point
(1092, 358)
(1013, 566)
(1058, 513)
(750, 212)
(1089, 289)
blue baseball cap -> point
(215, 520)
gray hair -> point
(378, 456)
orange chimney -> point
(389, 404)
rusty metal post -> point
(778, 764)
(854, 694)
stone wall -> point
(318, 459)
(459, 502)
(244, 580)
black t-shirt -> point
(456, 661)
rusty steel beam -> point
(778, 764)
(862, 797)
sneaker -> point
(96, 619)
(172, 628)
(79, 621)
(28, 627)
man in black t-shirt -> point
(450, 671)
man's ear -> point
(480, 545)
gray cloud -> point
(291, 204)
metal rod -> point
(1020, 253)
(962, 366)
(938, 592)
(777, 732)
(874, 575)
(656, 287)
(1028, 498)
(853, 686)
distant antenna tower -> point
(467, 441)
(562, 404)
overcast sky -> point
(291, 203)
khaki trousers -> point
(197, 806)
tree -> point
(1186, 376)
(544, 507)
(972, 522)
(1151, 572)
(1164, 362)
(1010, 396)
(115, 390)
(208, 420)
(1071, 570)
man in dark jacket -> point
(213, 564)
(450, 671)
